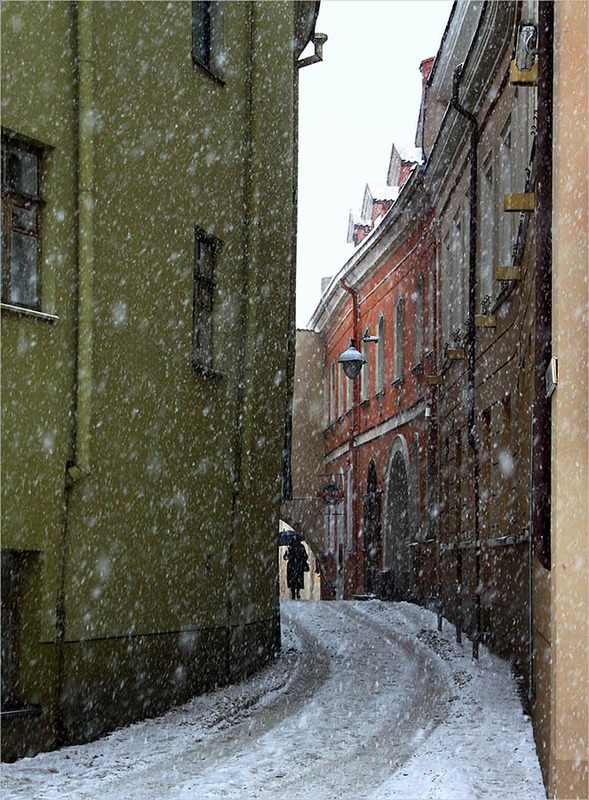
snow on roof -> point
(384, 192)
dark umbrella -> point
(285, 537)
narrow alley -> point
(368, 700)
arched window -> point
(418, 321)
(380, 365)
(341, 392)
(399, 339)
(333, 394)
(365, 374)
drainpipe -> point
(79, 466)
(353, 457)
(531, 563)
(86, 115)
(471, 342)
(543, 331)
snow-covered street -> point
(367, 701)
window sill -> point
(22, 711)
(364, 403)
(204, 68)
(378, 394)
(397, 382)
(206, 371)
(23, 311)
(417, 369)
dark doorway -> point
(397, 531)
(372, 532)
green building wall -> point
(145, 493)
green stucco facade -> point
(143, 492)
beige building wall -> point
(570, 520)
(305, 511)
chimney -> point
(426, 69)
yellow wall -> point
(570, 521)
(157, 557)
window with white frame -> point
(380, 357)
(487, 234)
(399, 343)
(418, 321)
(21, 222)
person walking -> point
(298, 564)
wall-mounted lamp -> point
(352, 360)
(318, 40)
(526, 46)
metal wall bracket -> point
(508, 273)
(520, 77)
(519, 201)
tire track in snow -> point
(309, 672)
(334, 718)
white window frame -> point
(418, 322)
(399, 338)
(380, 354)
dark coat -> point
(298, 564)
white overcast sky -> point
(364, 96)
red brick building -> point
(378, 438)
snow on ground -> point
(367, 702)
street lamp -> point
(352, 360)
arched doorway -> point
(312, 585)
(397, 527)
(372, 532)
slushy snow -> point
(368, 701)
